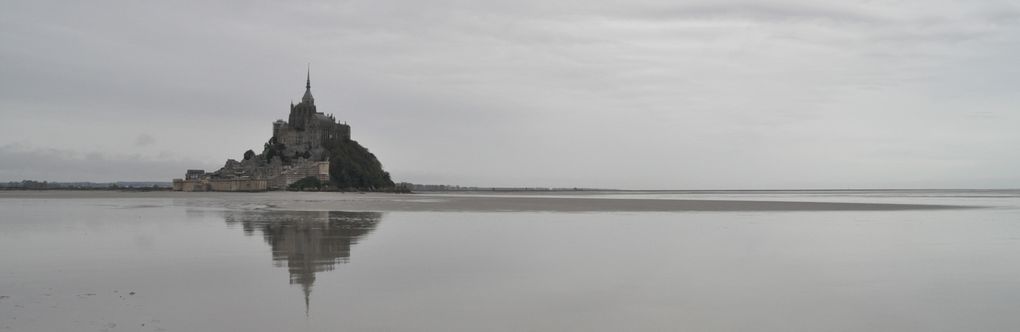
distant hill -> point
(82, 185)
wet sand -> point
(166, 261)
(479, 202)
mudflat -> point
(284, 261)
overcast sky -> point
(617, 94)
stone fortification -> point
(298, 149)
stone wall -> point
(311, 139)
(191, 185)
(238, 185)
(319, 170)
(249, 185)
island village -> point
(299, 149)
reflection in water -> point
(307, 241)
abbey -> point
(306, 131)
(301, 147)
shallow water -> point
(180, 264)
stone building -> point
(194, 174)
(298, 149)
(307, 130)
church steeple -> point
(307, 98)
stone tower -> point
(307, 130)
(304, 111)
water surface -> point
(233, 262)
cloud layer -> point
(637, 94)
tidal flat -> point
(605, 261)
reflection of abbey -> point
(298, 149)
(307, 242)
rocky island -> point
(310, 150)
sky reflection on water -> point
(206, 263)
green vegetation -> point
(352, 166)
(307, 183)
(273, 148)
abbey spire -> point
(307, 98)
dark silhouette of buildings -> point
(299, 148)
(307, 242)
(307, 131)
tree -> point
(353, 166)
(274, 148)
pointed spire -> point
(307, 98)
(308, 293)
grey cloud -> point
(760, 11)
(637, 94)
(144, 140)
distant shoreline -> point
(435, 202)
(103, 186)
